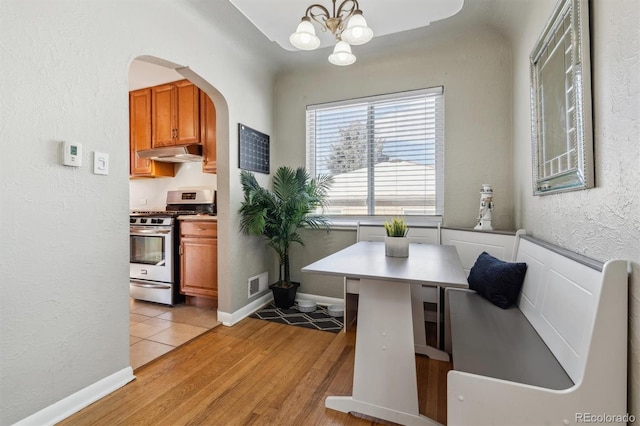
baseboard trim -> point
(232, 318)
(229, 319)
(320, 300)
(75, 402)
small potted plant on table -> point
(277, 215)
(396, 243)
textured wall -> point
(603, 222)
(64, 310)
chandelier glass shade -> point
(305, 37)
(342, 54)
(355, 32)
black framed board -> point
(253, 154)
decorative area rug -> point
(316, 320)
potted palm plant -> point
(277, 215)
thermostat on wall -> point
(71, 154)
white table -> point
(384, 381)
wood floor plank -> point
(254, 373)
(443, 368)
(431, 409)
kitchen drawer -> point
(199, 228)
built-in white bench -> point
(559, 355)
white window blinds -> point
(385, 153)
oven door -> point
(151, 253)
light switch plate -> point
(100, 163)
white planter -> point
(396, 246)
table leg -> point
(384, 382)
(419, 334)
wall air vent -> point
(258, 284)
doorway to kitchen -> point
(156, 328)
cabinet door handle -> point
(180, 249)
(202, 229)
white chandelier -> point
(356, 32)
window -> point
(385, 153)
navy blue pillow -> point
(496, 280)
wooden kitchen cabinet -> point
(140, 137)
(199, 258)
(175, 111)
(208, 133)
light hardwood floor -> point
(254, 373)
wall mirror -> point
(561, 131)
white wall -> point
(64, 311)
(603, 222)
(151, 194)
(144, 74)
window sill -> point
(351, 223)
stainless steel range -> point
(153, 235)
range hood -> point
(173, 154)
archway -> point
(169, 72)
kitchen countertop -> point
(192, 217)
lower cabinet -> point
(199, 258)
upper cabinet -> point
(175, 109)
(208, 132)
(170, 114)
(140, 137)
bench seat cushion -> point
(501, 343)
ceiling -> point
(278, 19)
(501, 15)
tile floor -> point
(156, 329)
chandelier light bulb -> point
(305, 36)
(357, 31)
(342, 55)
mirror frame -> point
(574, 168)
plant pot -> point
(396, 246)
(284, 297)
